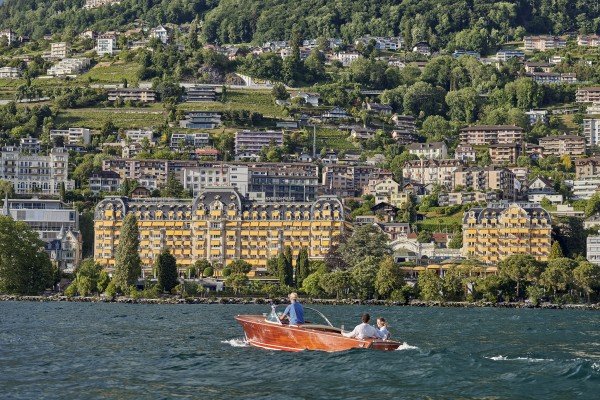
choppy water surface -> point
(93, 351)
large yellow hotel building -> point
(219, 225)
(492, 233)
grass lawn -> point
(94, 118)
(259, 101)
(112, 72)
(434, 221)
(333, 139)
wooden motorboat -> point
(268, 332)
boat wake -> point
(236, 342)
(528, 359)
(406, 346)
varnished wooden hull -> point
(268, 335)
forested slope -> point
(472, 24)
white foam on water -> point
(406, 346)
(528, 359)
(236, 342)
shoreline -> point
(262, 300)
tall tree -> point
(302, 267)
(128, 265)
(24, 267)
(389, 277)
(366, 240)
(555, 251)
(289, 268)
(587, 277)
(520, 268)
(166, 271)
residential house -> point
(422, 48)
(69, 67)
(505, 55)
(335, 113)
(588, 40)
(309, 98)
(465, 153)
(537, 116)
(540, 188)
(161, 33)
(484, 179)
(200, 94)
(377, 108)
(593, 249)
(362, 133)
(199, 139)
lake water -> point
(129, 351)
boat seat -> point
(320, 327)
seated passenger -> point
(383, 331)
(294, 312)
(363, 330)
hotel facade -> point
(493, 233)
(220, 226)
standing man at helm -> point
(294, 312)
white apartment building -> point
(73, 135)
(347, 58)
(106, 44)
(9, 35)
(198, 178)
(57, 225)
(99, 3)
(593, 249)
(59, 50)
(588, 40)
(250, 143)
(429, 151)
(69, 66)
(138, 135)
(434, 172)
(200, 139)
(591, 131)
(9, 73)
(31, 174)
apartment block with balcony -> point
(199, 139)
(543, 42)
(435, 172)
(485, 135)
(588, 94)
(33, 173)
(591, 131)
(572, 145)
(347, 180)
(491, 234)
(72, 135)
(504, 153)
(106, 45)
(132, 94)
(219, 225)
(10, 73)
(248, 144)
(200, 120)
(59, 50)
(104, 182)
(485, 179)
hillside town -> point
(252, 152)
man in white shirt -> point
(364, 330)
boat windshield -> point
(273, 317)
